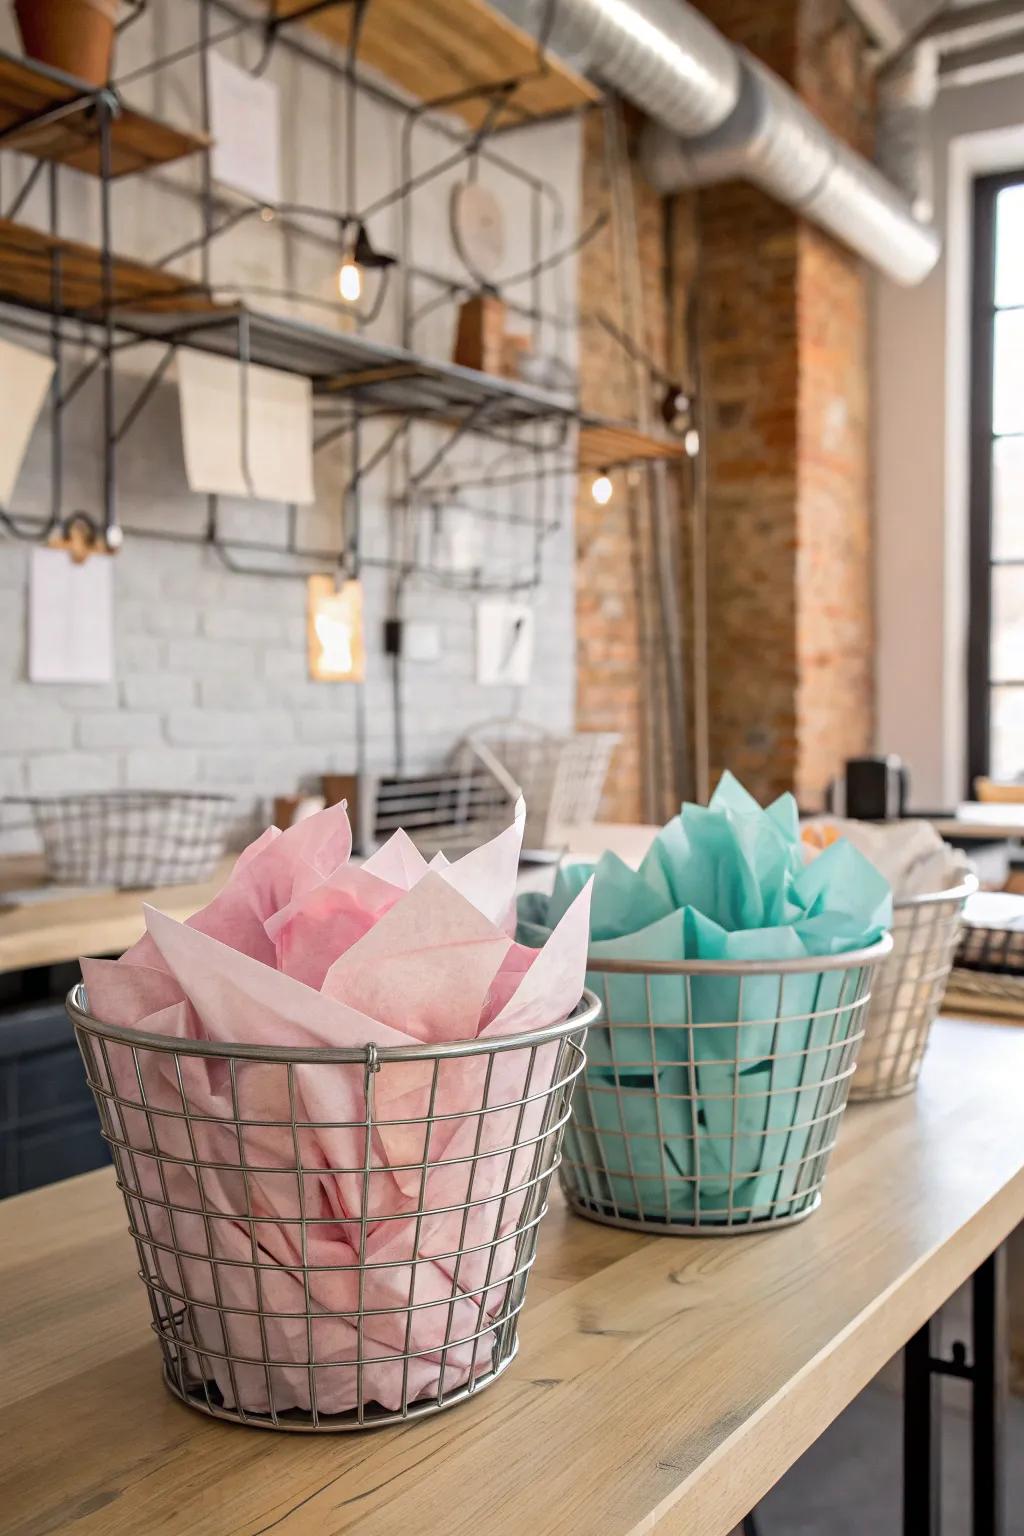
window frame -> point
(986, 190)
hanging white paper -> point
(504, 642)
(277, 464)
(245, 121)
(70, 618)
(24, 379)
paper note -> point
(24, 379)
(245, 121)
(273, 458)
(504, 642)
(70, 618)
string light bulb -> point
(602, 489)
(350, 280)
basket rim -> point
(803, 965)
(583, 1015)
(966, 887)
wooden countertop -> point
(663, 1384)
(94, 923)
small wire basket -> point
(714, 1091)
(998, 951)
(298, 1291)
(908, 991)
(132, 839)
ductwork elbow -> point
(774, 141)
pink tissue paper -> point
(254, 1230)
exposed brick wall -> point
(784, 329)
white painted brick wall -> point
(212, 687)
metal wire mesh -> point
(714, 1091)
(908, 992)
(307, 1272)
(560, 777)
(996, 950)
(132, 838)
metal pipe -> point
(717, 113)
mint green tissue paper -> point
(738, 1064)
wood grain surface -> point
(663, 1384)
(101, 923)
(439, 47)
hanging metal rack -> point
(94, 299)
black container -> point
(872, 789)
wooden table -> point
(96, 923)
(662, 1384)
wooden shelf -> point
(137, 142)
(604, 444)
(435, 48)
(27, 268)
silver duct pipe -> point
(773, 140)
(658, 53)
(956, 48)
(667, 59)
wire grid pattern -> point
(451, 811)
(294, 1290)
(908, 992)
(132, 839)
(713, 1094)
(561, 778)
(999, 950)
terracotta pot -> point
(76, 36)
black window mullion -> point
(983, 312)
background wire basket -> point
(999, 951)
(132, 839)
(908, 991)
(291, 1295)
(714, 1090)
(561, 778)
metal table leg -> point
(922, 1431)
(922, 1458)
(988, 1398)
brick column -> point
(784, 325)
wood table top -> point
(663, 1383)
(106, 922)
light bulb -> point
(691, 443)
(602, 489)
(350, 280)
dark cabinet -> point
(49, 1128)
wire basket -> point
(714, 1092)
(908, 991)
(292, 1295)
(561, 778)
(999, 951)
(132, 839)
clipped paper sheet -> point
(280, 435)
(245, 121)
(70, 618)
(504, 642)
(24, 379)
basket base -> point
(876, 1095)
(298, 1421)
(680, 1229)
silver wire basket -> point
(714, 1090)
(908, 991)
(132, 839)
(294, 1291)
